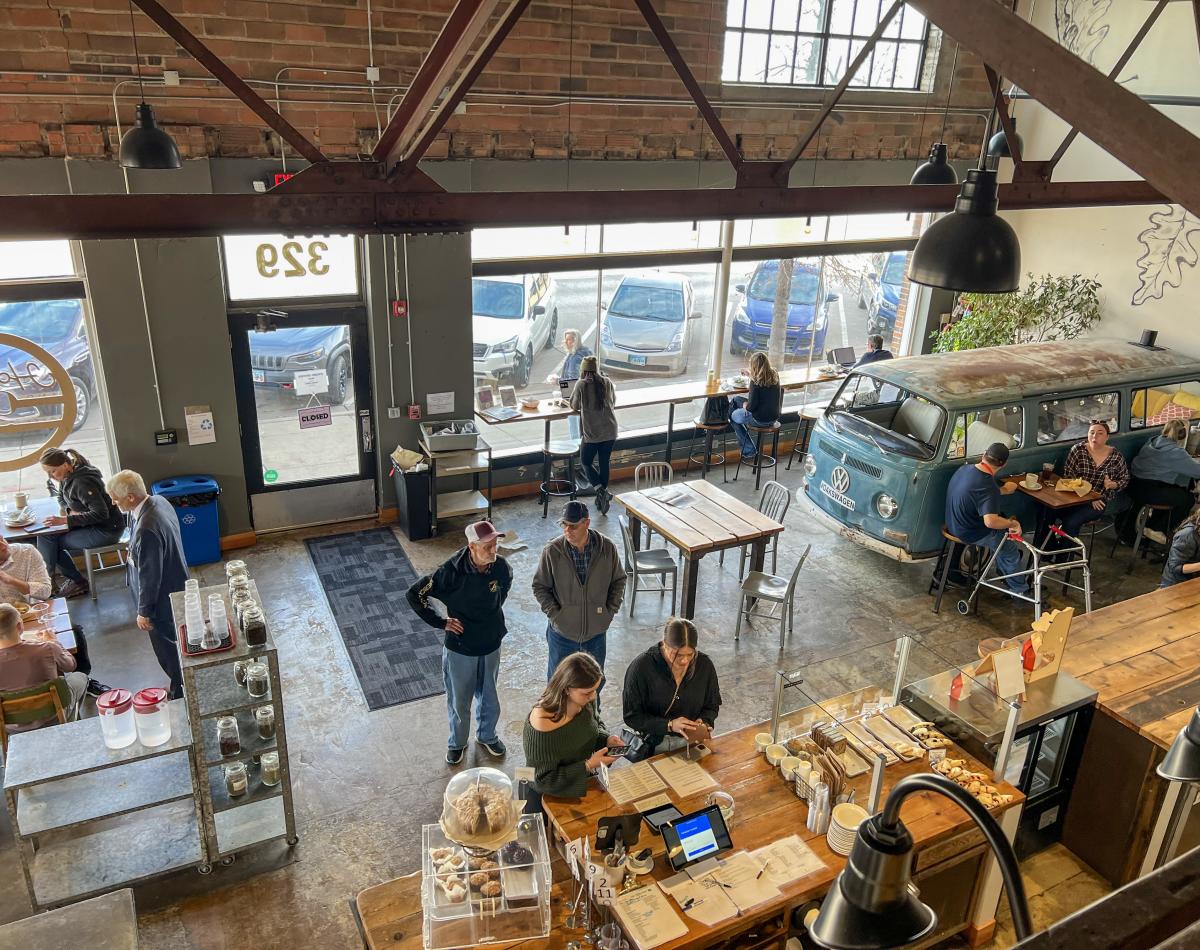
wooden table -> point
(107, 922)
(766, 809)
(1051, 503)
(716, 521)
(42, 508)
(669, 396)
(58, 624)
(1143, 658)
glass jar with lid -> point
(233, 568)
(239, 671)
(239, 600)
(239, 582)
(264, 716)
(254, 626)
(257, 680)
(269, 768)
(236, 780)
(229, 741)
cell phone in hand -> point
(617, 751)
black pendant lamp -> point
(938, 170)
(145, 145)
(998, 145)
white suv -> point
(513, 317)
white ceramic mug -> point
(21, 499)
(1031, 480)
(762, 740)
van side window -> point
(1068, 419)
(975, 431)
(1159, 405)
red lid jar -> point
(116, 716)
(149, 700)
(152, 716)
(114, 702)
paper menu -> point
(685, 777)
(643, 805)
(705, 901)
(787, 860)
(648, 918)
(738, 876)
(636, 781)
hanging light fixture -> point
(938, 170)
(145, 145)
(998, 145)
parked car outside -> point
(57, 326)
(754, 310)
(277, 356)
(879, 293)
(645, 326)
(512, 319)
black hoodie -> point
(649, 698)
(83, 493)
(474, 597)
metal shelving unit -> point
(455, 504)
(60, 783)
(265, 813)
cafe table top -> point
(42, 508)
(1048, 496)
(57, 624)
(641, 396)
(716, 520)
(766, 810)
(1143, 658)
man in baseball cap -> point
(472, 585)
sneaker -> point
(74, 589)
(454, 756)
(496, 749)
(1158, 537)
(603, 499)
(96, 688)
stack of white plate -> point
(843, 827)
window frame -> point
(1141, 423)
(1045, 400)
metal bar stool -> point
(1143, 517)
(805, 422)
(941, 571)
(710, 458)
(761, 461)
(551, 485)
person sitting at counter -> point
(1183, 560)
(1104, 467)
(973, 512)
(23, 665)
(875, 351)
(671, 697)
(761, 405)
(564, 739)
(1162, 475)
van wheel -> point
(524, 368)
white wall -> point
(1108, 243)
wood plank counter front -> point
(1143, 657)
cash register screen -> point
(695, 837)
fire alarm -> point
(414, 412)
(400, 309)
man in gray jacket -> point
(579, 584)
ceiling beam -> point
(229, 79)
(1162, 152)
(86, 217)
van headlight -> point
(887, 507)
(810, 466)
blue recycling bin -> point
(195, 500)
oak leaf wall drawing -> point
(1170, 243)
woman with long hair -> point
(564, 739)
(594, 398)
(1163, 474)
(671, 695)
(91, 518)
(760, 407)
(1104, 467)
(1183, 560)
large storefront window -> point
(50, 392)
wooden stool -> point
(941, 571)
(710, 430)
(551, 485)
(760, 461)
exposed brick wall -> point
(60, 59)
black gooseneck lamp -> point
(872, 904)
(145, 145)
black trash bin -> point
(412, 503)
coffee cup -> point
(21, 499)
(1031, 481)
(762, 740)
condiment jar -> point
(236, 781)
(239, 583)
(115, 710)
(151, 716)
(239, 671)
(265, 717)
(239, 600)
(228, 739)
(233, 568)
(269, 768)
(257, 681)
(254, 627)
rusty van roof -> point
(992, 374)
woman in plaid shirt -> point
(1103, 466)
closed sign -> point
(279, 266)
(315, 416)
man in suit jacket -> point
(157, 567)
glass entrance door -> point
(304, 398)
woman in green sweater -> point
(564, 739)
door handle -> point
(366, 431)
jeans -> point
(1075, 518)
(573, 427)
(594, 457)
(738, 420)
(561, 647)
(56, 549)
(467, 678)
(1009, 561)
(166, 651)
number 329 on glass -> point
(292, 259)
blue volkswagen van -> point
(881, 456)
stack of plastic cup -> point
(193, 618)
(218, 626)
(191, 586)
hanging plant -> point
(1170, 243)
(1050, 307)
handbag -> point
(716, 411)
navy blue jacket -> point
(158, 568)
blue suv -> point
(879, 293)
(58, 327)
(277, 356)
(752, 313)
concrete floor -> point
(364, 783)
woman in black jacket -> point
(1183, 561)
(91, 518)
(761, 407)
(671, 696)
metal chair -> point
(761, 460)
(710, 458)
(651, 475)
(773, 502)
(93, 560)
(551, 485)
(775, 590)
(23, 707)
(657, 561)
(1143, 516)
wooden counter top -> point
(1143, 657)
